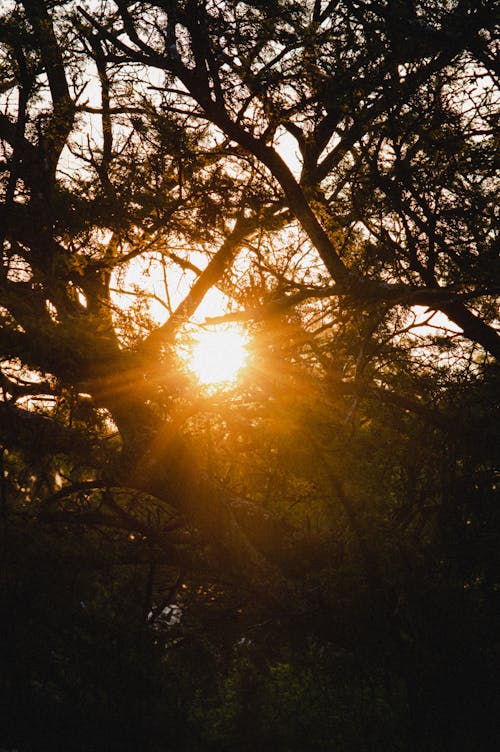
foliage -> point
(308, 559)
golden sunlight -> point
(218, 355)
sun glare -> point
(218, 355)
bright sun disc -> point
(218, 355)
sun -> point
(218, 355)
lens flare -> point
(218, 356)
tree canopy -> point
(317, 539)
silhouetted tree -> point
(329, 167)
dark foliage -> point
(308, 559)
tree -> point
(330, 168)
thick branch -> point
(206, 280)
(63, 112)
